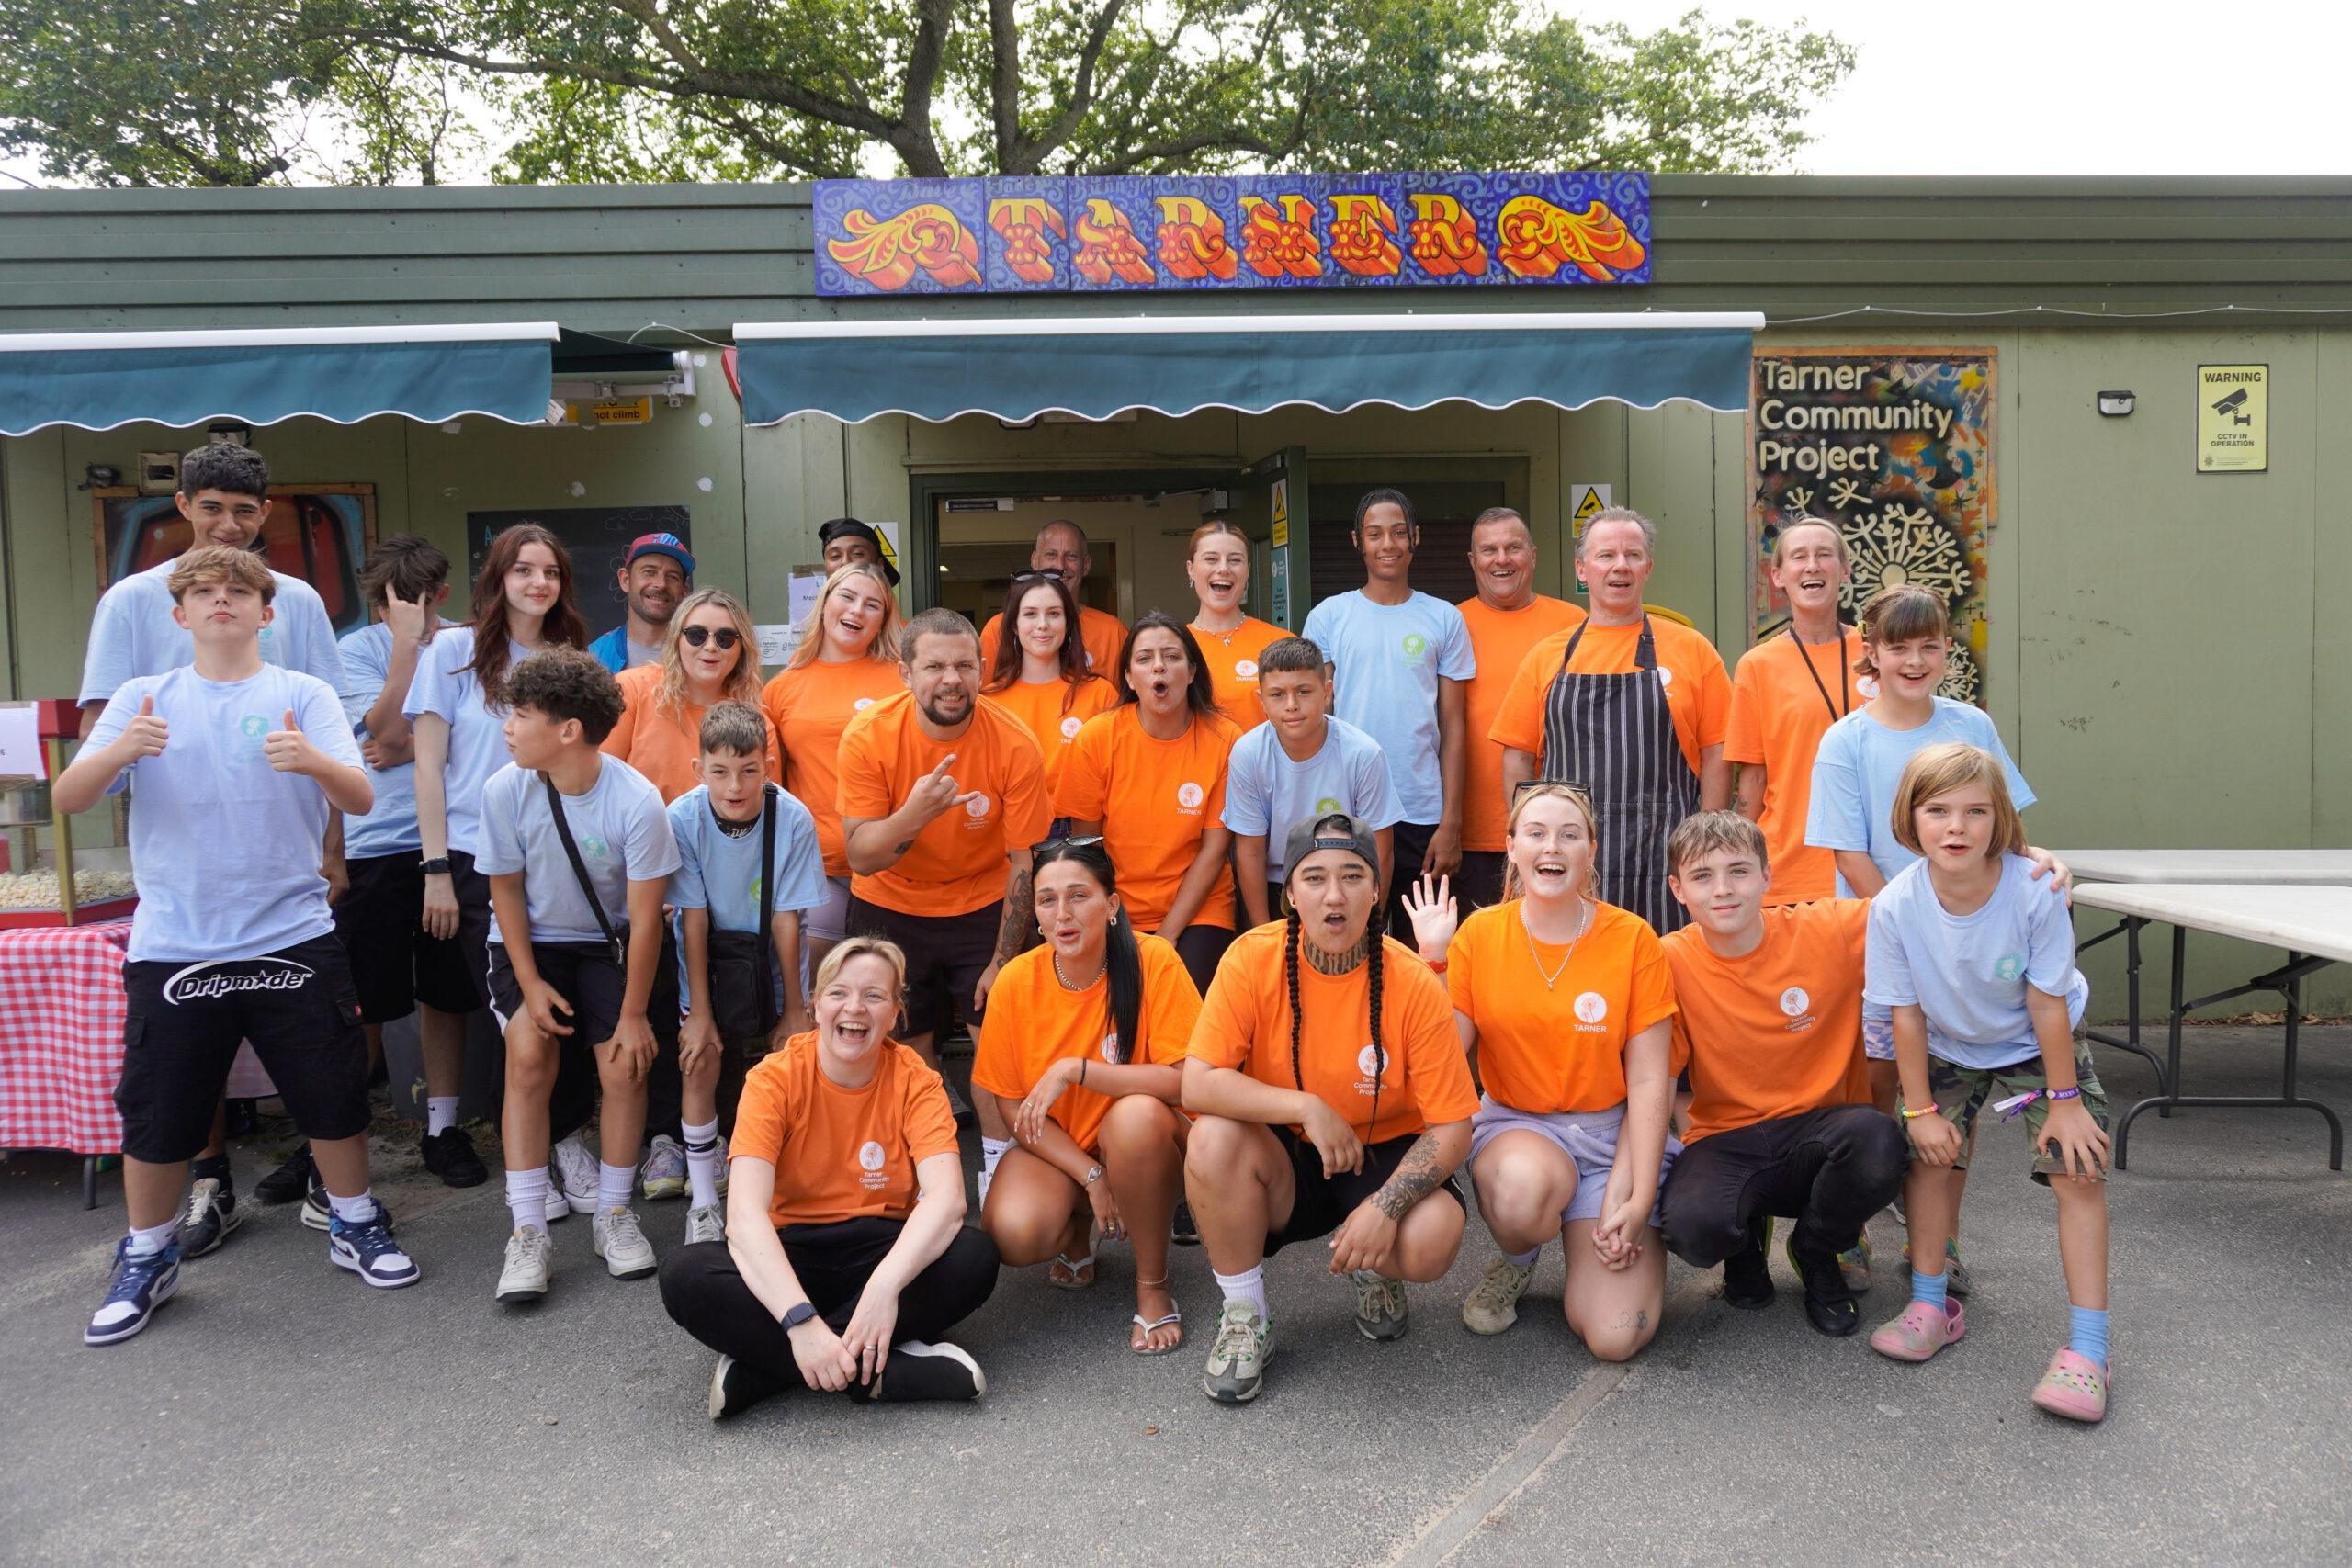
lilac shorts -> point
(829, 921)
(1588, 1137)
(1878, 1039)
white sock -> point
(991, 1151)
(353, 1211)
(154, 1239)
(1526, 1259)
(526, 1197)
(613, 1185)
(702, 1163)
(1251, 1288)
(440, 1113)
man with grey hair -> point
(1632, 709)
(1061, 549)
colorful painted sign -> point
(1084, 233)
(1895, 447)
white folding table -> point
(2312, 867)
(2311, 922)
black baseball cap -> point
(851, 528)
(1330, 831)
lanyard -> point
(1837, 711)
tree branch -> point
(1004, 87)
(1081, 97)
(912, 135)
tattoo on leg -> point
(1415, 1179)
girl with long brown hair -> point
(1040, 674)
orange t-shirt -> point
(1232, 659)
(1053, 711)
(842, 1152)
(808, 708)
(1779, 1031)
(664, 743)
(1698, 692)
(1562, 1047)
(1100, 631)
(1501, 640)
(956, 863)
(1155, 799)
(1777, 717)
(1244, 1023)
(1033, 1023)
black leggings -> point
(1200, 947)
(706, 1295)
(1830, 1169)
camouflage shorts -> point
(1961, 1092)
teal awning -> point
(1095, 366)
(100, 380)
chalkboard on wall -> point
(597, 537)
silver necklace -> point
(1552, 977)
(1064, 979)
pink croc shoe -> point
(1920, 1332)
(2075, 1387)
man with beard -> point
(657, 576)
(941, 798)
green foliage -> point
(244, 92)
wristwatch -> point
(438, 867)
(799, 1313)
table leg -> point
(2294, 992)
(2131, 1041)
(89, 1181)
(2167, 1093)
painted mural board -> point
(2233, 419)
(1127, 233)
(1895, 446)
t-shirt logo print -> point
(869, 1155)
(1592, 1006)
(1415, 645)
(594, 848)
(1111, 1048)
(1326, 804)
(976, 807)
(861, 705)
(1071, 726)
(1189, 796)
(254, 729)
(1244, 670)
(1371, 1061)
(2009, 967)
(1793, 1000)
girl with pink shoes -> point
(1977, 966)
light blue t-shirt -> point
(1858, 765)
(133, 634)
(391, 829)
(224, 848)
(477, 730)
(721, 872)
(1969, 973)
(1267, 793)
(620, 826)
(1387, 660)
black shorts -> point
(1479, 883)
(185, 1020)
(1323, 1202)
(1410, 844)
(394, 966)
(945, 956)
(584, 974)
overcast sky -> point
(2057, 86)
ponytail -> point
(1122, 968)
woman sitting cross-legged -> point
(1332, 1097)
(846, 1255)
(1082, 1047)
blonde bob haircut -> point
(1529, 797)
(1953, 766)
(843, 951)
(743, 682)
(221, 563)
(1705, 833)
(886, 641)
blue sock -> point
(1928, 1288)
(2089, 1337)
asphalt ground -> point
(279, 1411)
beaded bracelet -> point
(1923, 1111)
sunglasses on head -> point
(1032, 574)
(1089, 840)
(1523, 785)
(695, 636)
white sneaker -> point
(524, 1277)
(559, 1206)
(621, 1243)
(706, 1224)
(575, 1173)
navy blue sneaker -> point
(368, 1249)
(142, 1283)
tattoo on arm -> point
(1017, 915)
(904, 845)
(1415, 1179)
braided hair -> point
(1122, 960)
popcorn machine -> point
(46, 880)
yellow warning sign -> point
(622, 410)
(1586, 502)
(2233, 419)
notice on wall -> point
(2233, 419)
(1895, 446)
(21, 755)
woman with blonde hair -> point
(1569, 1005)
(848, 663)
(710, 655)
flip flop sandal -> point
(1082, 1271)
(1151, 1326)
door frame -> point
(926, 491)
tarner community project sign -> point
(1045, 234)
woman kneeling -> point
(1332, 1096)
(846, 1255)
(1081, 1048)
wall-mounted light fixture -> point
(229, 435)
(2116, 405)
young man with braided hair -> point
(1333, 1099)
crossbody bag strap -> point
(580, 870)
(767, 908)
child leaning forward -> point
(1977, 966)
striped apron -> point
(1615, 734)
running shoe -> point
(2074, 1386)
(1747, 1274)
(318, 1211)
(558, 1205)
(620, 1242)
(735, 1387)
(1184, 1230)
(706, 1223)
(1237, 1359)
(1921, 1331)
(288, 1182)
(663, 1174)
(1957, 1280)
(1493, 1305)
(722, 1165)
(1854, 1263)
(366, 1249)
(211, 1215)
(525, 1276)
(1829, 1304)
(576, 1173)
(958, 1106)
(914, 1372)
(1380, 1306)
(142, 1281)
(449, 1155)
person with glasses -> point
(1042, 674)
(1061, 550)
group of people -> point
(1260, 940)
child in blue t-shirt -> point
(729, 967)
(1976, 966)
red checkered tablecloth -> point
(61, 1007)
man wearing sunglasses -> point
(655, 577)
(1061, 549)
